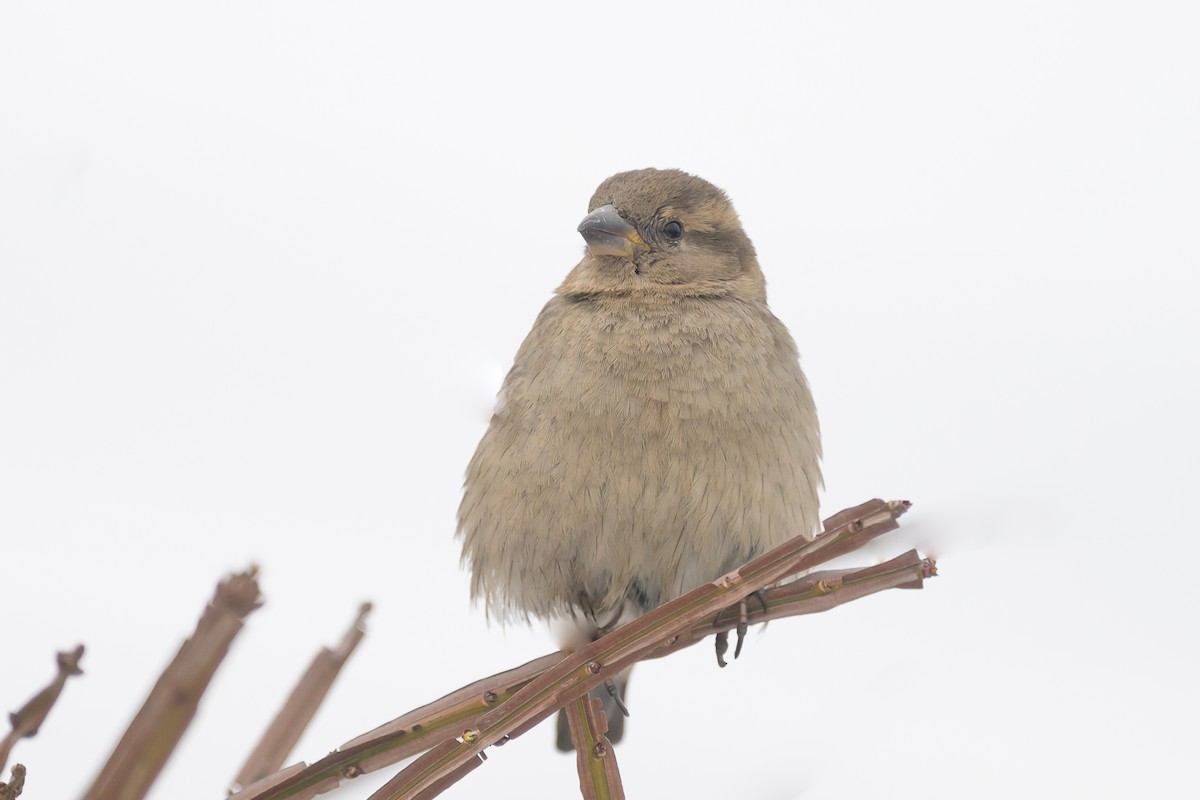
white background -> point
(263, 266)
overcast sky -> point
(263, 266)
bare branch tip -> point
(239, 592)
(16, 784)
(929, 568)
(68, 661)
(27, 720)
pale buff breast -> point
(641, 447)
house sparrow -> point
(655, 430)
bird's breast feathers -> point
(634, 435)
(626, 362)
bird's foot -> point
(722, 640)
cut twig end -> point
(929, 568)
(16, 784)
(68, 661)
(239, 593)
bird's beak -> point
(607, 234)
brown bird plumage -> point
(655, 430)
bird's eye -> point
(673, 230)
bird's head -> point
(654, 231)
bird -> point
(655, 430)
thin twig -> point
(292, 720)
(30, 717)
(595, 759)
(452, 776)
(158, 726)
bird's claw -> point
(615, 693)
(743, 625)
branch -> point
(29, 719)
(595, 759)
(405, 736)
(465, 710)
(158, 726)
(297, 712)
(605, 658)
